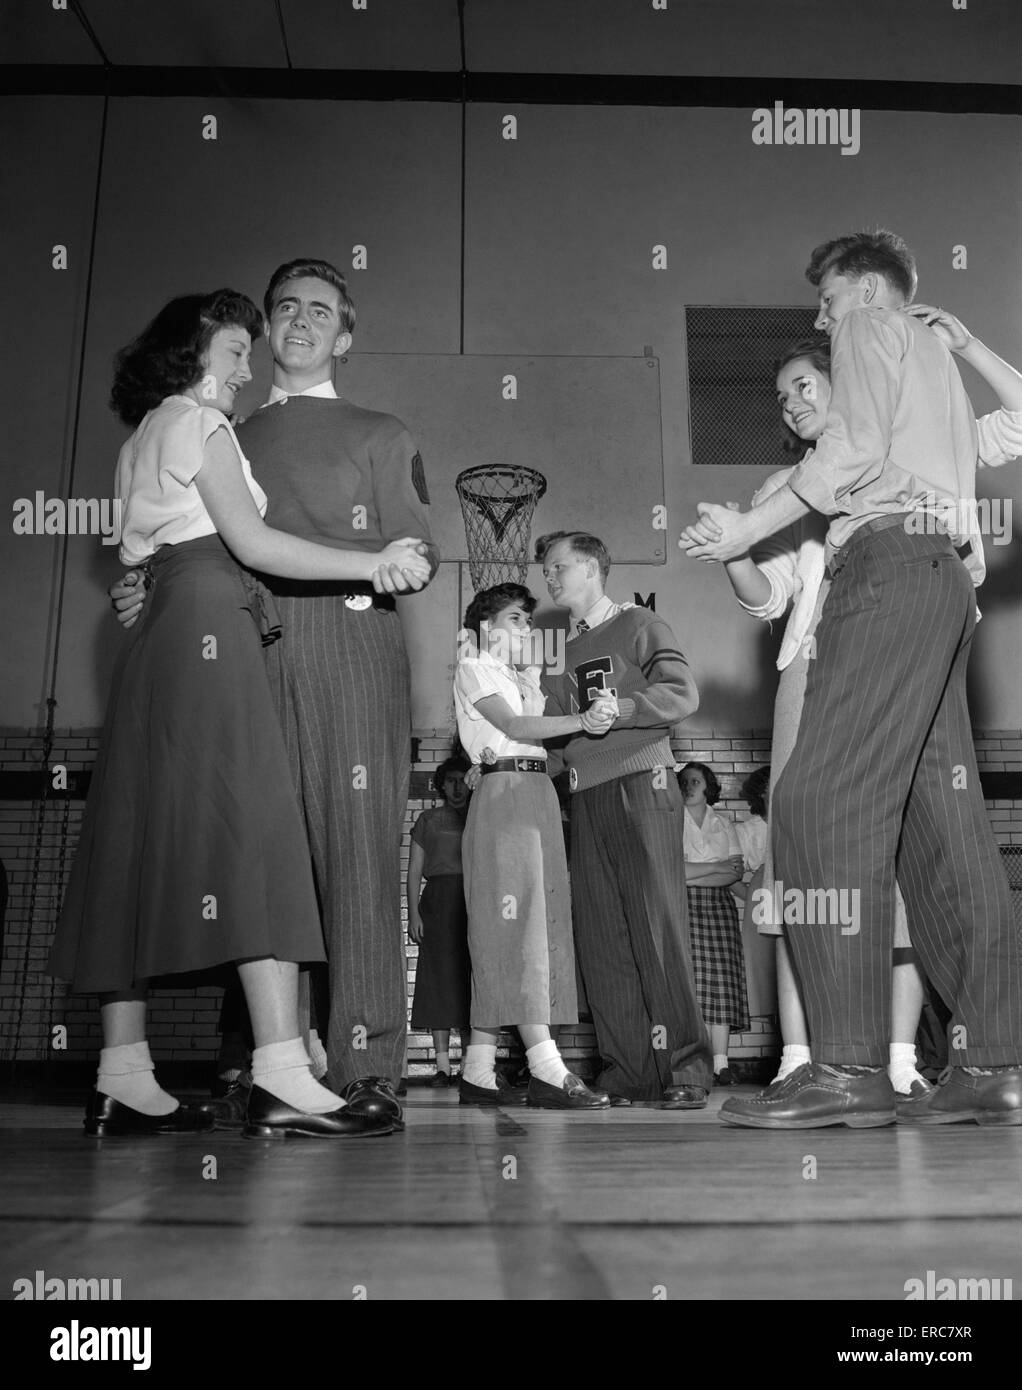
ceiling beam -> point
(548, 89)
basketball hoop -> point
(497, 504)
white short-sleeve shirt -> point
(155, 478)
(483, 675)
(752, 836)
(716, 838)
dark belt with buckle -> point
(879, 523)
(515, 765)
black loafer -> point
(571, 1094)
(684, 1098)
(270, 1118)
(231, 1108)
(105, 1116)
(373, 1095)
(725, 1077)
(505, 1094)
(440, 1082)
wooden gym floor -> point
(509, 1205)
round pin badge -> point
(358, 602)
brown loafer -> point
(684, 1098)
(815, 1096)
(988, 1098)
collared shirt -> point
(792, 559)
(752, 837)
(715, 839)
(324, 389)
(156, 473)
(476, 678)
(900, 432)
(601, 612)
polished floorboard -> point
(509, 1205)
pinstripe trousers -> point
(631, 935)
(883, 781)
(341, 681)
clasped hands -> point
(403, 566)
(600, 715)
(720, 534)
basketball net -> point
(497, 504)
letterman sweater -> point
(337, 474)
(634, 656)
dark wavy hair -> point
(489, 602)
(449, 765)
(307, 266)
(713, 792)
(878, 251)
(166, 357)
(817, 351)
(754, 790)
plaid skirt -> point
(718, 961)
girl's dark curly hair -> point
(754, 790)
(166, 357)
(709, 777)
(455, 763)
(816, 351)
(489, 602)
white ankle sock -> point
(793, 1056)
(545, 1063)
(283, 1070)
(719, 1061)
(479, 1067)
(317, 1056)
(126, 1074)
(902, 1067)
(443, 1062)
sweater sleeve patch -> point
(419, 479)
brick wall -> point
(37, 840)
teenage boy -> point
(627, 823)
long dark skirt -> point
(192, 851)
(443, 975)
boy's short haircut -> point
(581, 542)
(320, 270)
(879, 252)
(489, 602)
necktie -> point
(581, 626)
